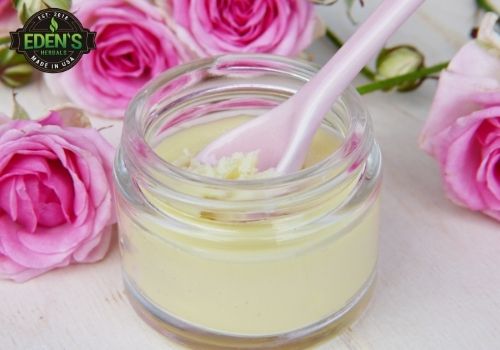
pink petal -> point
(8, 201)
(11, 270)
(22, 148)
(464, 88)
(63, 186)
(53, 118)
(18, 273)
(465, 62)
(95, 249)
(29, 163)
(19, 253)
(462, 160)
(493, 175)
(26, 211)
(460, 154)
(63, 239)
(495, 214)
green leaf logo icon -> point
(53, 25)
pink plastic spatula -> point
(283, 135)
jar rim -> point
(349, 151)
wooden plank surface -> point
(438, 283)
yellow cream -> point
(246, 278)
(179, 147)
(237, 166)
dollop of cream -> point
(238, 166)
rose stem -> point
(367, 72)
(395, 81)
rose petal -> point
(53, 118)
(8, 200)
(462, 90)
(25, 208)
(58, 240)
(18, 273)
(459, 152)
(95, 249)
(462, 160)
(493, 213)
(493, 175)
(19, 253)
(465, 62)
(27, 163)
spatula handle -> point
(329, 83)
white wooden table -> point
(439, 274)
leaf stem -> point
(334, 38)
(393, 82)
(367, 72)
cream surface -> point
(237, 166)
(180, 147)
(255, 282)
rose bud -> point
(14, 70)
(400, 60)
(27, 8)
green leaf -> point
(27, 8)
(53, 25)
(58, 4)
(23, 12)
(18, 75)
(489, 5)
(19, 112)
(14, 70)
(6, 57)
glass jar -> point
(278, 262)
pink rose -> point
(6, 8)
(8, 18)
(133, 45)
(463, 129)
(283, 27)
(56, 204)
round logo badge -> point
(53, 40)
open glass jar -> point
(277, 262)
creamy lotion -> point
(228, 257)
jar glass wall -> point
(259, 263)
